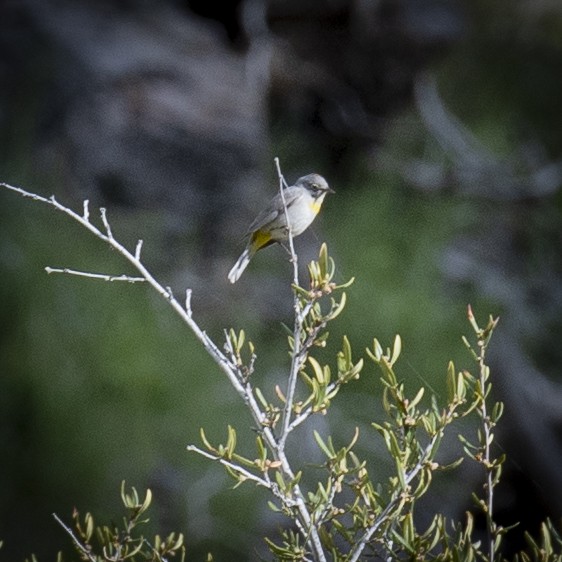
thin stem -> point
(233, 466)
(487, 460)
(485, 436)
(101, 276)
(138, 249)
(305, 414)
(84, 551)
(296, 362)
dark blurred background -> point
(437, 122)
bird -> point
(302, 201)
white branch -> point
(293, 374)
(138, 250)
(85, 552)
(188, 293)
(305, 414)
(103, 213)
(102, 276)
(233, 466)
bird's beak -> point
(330, 190)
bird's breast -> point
(302, 214)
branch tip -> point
(188, 293)
(138, 249)
(103, 213)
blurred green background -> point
(440, 202)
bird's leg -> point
(286, 248)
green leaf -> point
(280, 482)
(230, 442)
(337, 307)
(241, 339)
(472, 320)
(353, 439)
(147, 501)
(205, 441)
(408, 531)
(451, 382)
(393, 445)
(546, 539)
(89, 527)
(346, 352)
(417, 398)
(273, 507)
(396, 349)
(357, 368)
(323, 260)
(470, 348)
(309, 381)
(400, 472)
(260, 397)
(497, 411)
(303, 293)
(461, 387)
(262, 451)
(318, 371)
(131, 501)
(451, 465)
(424, 482)
(377, 352)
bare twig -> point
(309, 411)
(487, 436)
(102, 276)
(103, 213)
(86, 215)
(294, 258)
(84, 551)
(233, 466)
(188, 293)
(293, 374)
(138, 250)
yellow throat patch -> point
(315, 206)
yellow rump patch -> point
(260, 239)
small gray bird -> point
(303, 202)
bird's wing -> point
(275, 208)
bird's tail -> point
(240, 265)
